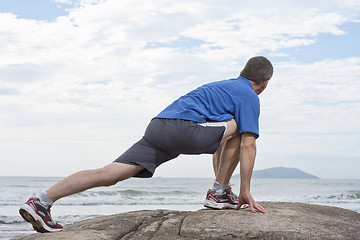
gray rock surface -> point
(282, 221)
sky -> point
(81, 79)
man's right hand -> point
(246, 198)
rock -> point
(282, 221)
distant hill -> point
(280, 172)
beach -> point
(184, 194)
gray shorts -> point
(165, 139)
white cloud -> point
(64, 1)
(310, 116)
(109, 66)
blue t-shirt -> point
(219, 101)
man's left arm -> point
(247, 160)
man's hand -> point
(246, 198)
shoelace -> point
(49, 207)
(229, 191)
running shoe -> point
(235, 198)
(39, 216)
(232, 195)
(219, 200)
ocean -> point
(182, 194)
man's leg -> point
(37, 210)
(226, 158)
(83, 180)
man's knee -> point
(108, 175)
(115, 172)
(231, 131)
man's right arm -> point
(247, 160)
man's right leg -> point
(37, 212)
(83, 180)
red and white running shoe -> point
(39, 216)
(219, 200)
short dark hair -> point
(257, 69)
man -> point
(219, 118)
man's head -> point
(259, 70)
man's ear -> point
(264, 84)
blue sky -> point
(80, 80)
(37, 9)
(329, 46)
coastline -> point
(178, 194)
(282, 221)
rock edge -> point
(282, 221)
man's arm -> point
(247, 160)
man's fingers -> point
(239, 205)
(246, 198)
(260, 208)
(251, 205)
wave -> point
(142, 202)
(136, 193)
(339, 197)
(355, 195)
(112, 193)
(10, 220)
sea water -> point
(182, 194)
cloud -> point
(319, 97)
(109, 65)
(308, 111)
(69, 2)
(8, 91)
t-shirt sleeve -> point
(247, 116)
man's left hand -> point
(246, 198)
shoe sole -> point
(28, 214)
(219, 206)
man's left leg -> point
(225, 160)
